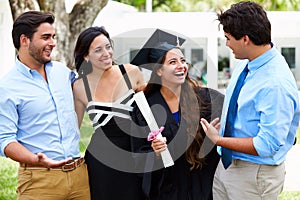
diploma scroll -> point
(144, 107)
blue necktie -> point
(231, 114)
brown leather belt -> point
(69, 166)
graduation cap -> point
(157, 45)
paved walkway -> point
(292, 165)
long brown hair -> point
(192, 108)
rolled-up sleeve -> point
(275, 121)
(8, 125)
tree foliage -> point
(209, 5)
(68, 25)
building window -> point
(197, 56)
(290, 55)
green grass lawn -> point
(8, 179)
(86, 131)
(8, 168)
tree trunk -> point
(19, 6)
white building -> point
(7, 50)
(130, 30)
(204, 42)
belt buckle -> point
(68, 164)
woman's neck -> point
(172, 97)
(100, 73)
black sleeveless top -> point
(108, 155)
(101, 113)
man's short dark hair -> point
(27, 24)
(247, 18)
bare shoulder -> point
(78, 84)
(132, 68)
(78, 88)
(135, 76)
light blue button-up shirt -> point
(268, 108)
(37, 114)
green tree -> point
(209, 5)
(281, 5)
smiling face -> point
(174, 69)
(42, 43)
(238, 47)
(100, 53)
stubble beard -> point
(37, 53)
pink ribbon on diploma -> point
(153, 134)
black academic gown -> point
(177, 182)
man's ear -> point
(246, 39)
(24, 40)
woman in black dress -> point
(104, 90)
(177, 104)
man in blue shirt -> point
(39, 126)
(267, 115)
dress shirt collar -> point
(262, 59)
(26, 70)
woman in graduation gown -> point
(177, 103)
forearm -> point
(19, 153)
(243, 145)
(79, 109)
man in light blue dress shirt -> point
(268, 110)
(39, 126)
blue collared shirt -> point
(37, 114)
(268, 108)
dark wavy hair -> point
(27, 24)
(192, 108)
(247, 18)
(83, 44)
